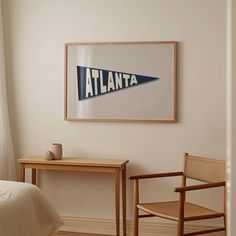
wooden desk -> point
(117, 167)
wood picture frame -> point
(121, 81)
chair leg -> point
(135, 208)
(225, 224)
(180, 228)
(135, 222)
(181, 214)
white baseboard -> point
(107, 227)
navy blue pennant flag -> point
(94, 82)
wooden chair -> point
(210, 171)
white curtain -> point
(7, 160)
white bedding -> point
(25, 211)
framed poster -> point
(121, 81)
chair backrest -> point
(204, 169)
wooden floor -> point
(77, 234)
(82, 234)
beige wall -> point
(231, 113)
(35, 32)
(233, 183)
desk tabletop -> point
(74, 161)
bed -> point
(25, 211)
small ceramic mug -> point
(48, 155)
(57, 151)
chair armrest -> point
(158, 175)
(199, 186)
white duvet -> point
(25, 211)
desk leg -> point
(22, 173)
(34, 176)
(117, 200)
(124, 199)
